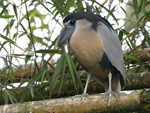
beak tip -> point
(58, 45)
(65, 35)
(59, 42)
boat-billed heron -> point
(97, 47)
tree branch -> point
(135, 81)
(94, 103)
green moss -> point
(145, 96)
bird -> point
(96, 45)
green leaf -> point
(71, 70)
(20, 68)
(22, 82)
(5, 60)
(50, 65)
(25, 31)
(143, 6)
(15, 35)
(15, 10)
(123, 10)
(120, 35)
(71, 2)
(36, 65)
(133, 21)
(89, 8)
(76, 74)
(37, 76)
(136, 10)
(11, 100)
(10, 41)
(11, 97)
(45, 64)
(39, 93)
(131, 57)
(19, 54)
(8, 75)
(7, 27)
(46, 8)
(62, 73)
(43, 75)
(109, 12)
(135, 5)
(47, 51)
(45, 84)
(6, 16)
(32, 92)
(59, 2)
(24, 93)
(56, 73)
(2, 46)
(140, 20)
(27, 58)
(5, 97)
(4, 9)
(49, 78)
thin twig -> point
(30, 34)
(30, 27)
(132, 32)
(9, 43)
(4, 48)
(137, 47)
(100, 8)
(4, 69)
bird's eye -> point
(72, 22)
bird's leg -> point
(87, 82)
(109, 89)
(86, 85)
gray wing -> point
(112, 47)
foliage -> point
(35, 23)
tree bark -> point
(134, 81)
(143, 55)
(134, 101)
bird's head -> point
(70, 22)
(76, 20)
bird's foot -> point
(84, 95)
(108, 95)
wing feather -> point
(112, 47)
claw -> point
(109, 93)
(110, 90)
(84, 95)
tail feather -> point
(115, 83)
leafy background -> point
(30, 68)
